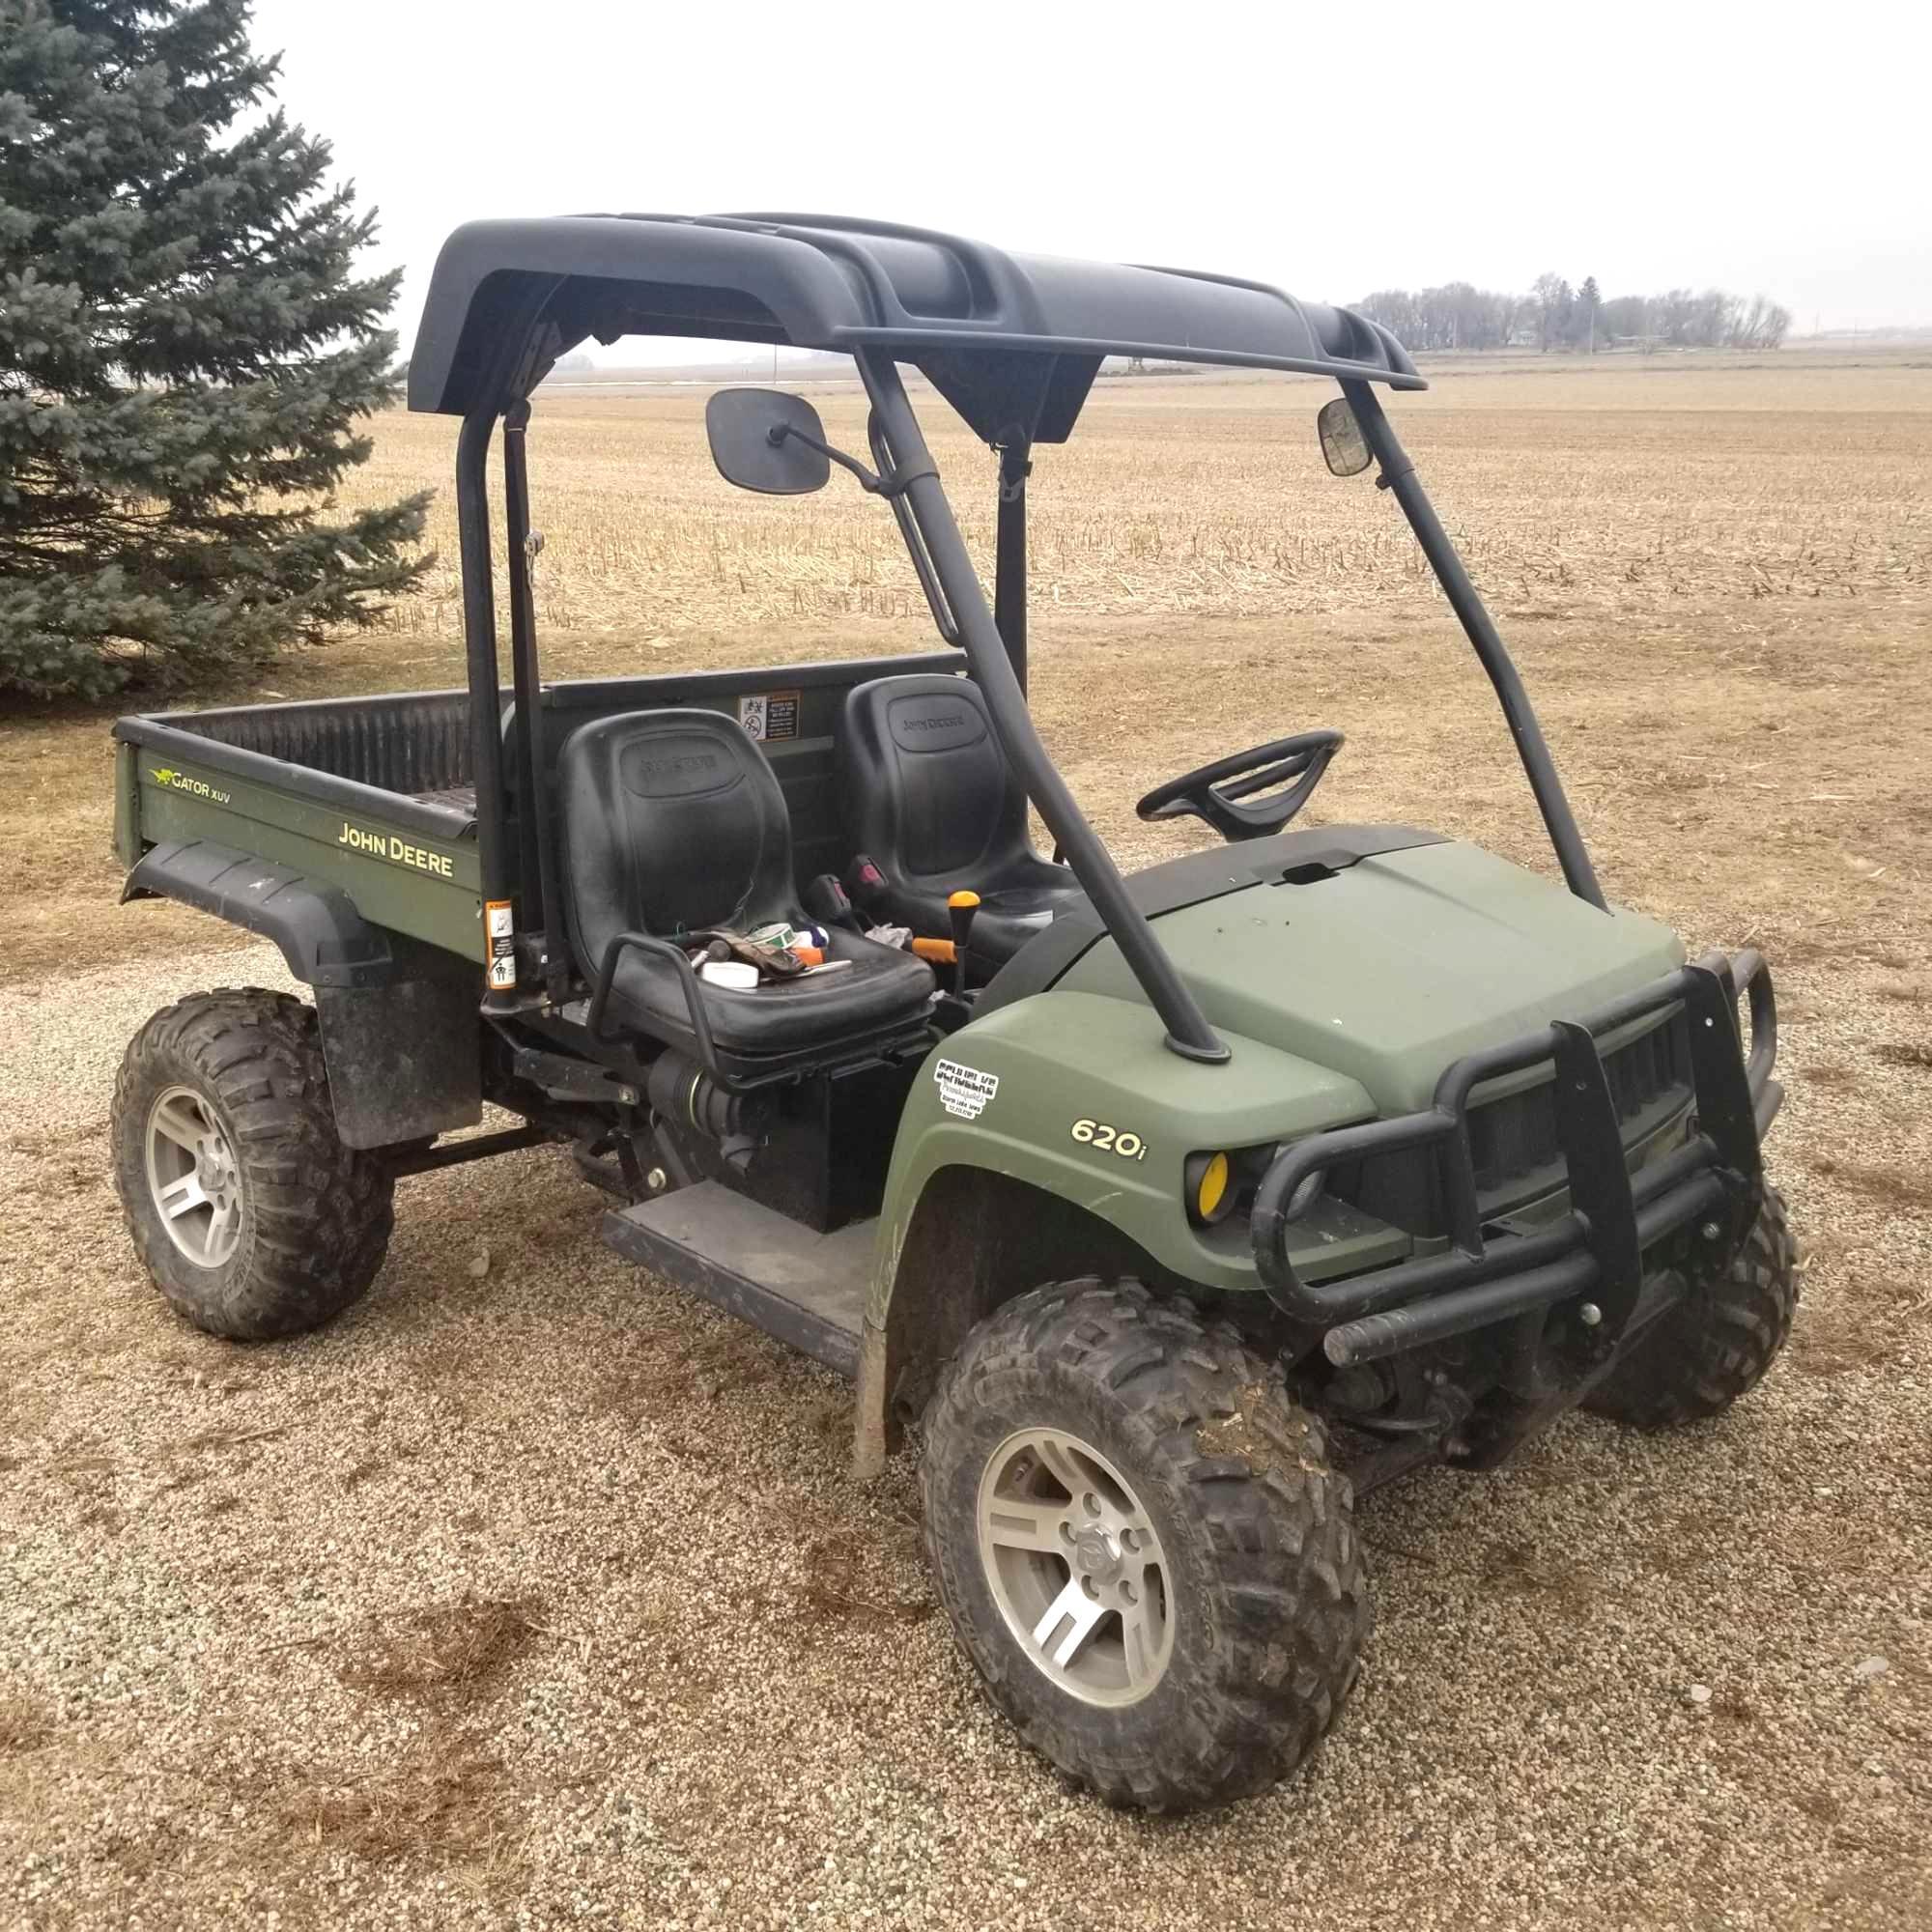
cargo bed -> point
(374, 797)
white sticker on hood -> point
(964, 1090)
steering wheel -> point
(1224, 792)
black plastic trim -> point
(325, 940)
(506, 296)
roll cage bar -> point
(1012, 342)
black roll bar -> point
(1010, 555)
(479, 639)
(1188, 1032)
(535, 860)
(1398, 476)
(921, 564)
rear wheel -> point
(1717, 1344)
(1141, 1545)
(249, 1213)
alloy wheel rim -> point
(1076, 1568)
(193, 1178)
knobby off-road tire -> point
(1717, 1344)
(1095, 1408)
(223, 1097)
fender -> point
(1003, 1177)
(399, 1029)
(323, 939)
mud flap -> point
(404, 1059)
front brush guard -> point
(1597, 1247)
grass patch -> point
(1830, 1073)
(1907, 992)
(448, 1798)
(1837, 1344)
(837, 1586)
(1893, 1186)
(673, 1366)
(461, 1647)
(1905, 1052)
(24, 1724)
(1517, 1568)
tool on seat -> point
(962, 907)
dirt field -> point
(531, 1593)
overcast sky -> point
(1753, 148)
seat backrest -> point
(672, 821)
(928, 792)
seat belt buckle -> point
(829, 904)
(864, 880)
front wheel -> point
(251, 1216)
(1141, 1545)
(1715, 1344)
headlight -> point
(1305, 1196)
(1216, 1184)
(1207, 1180)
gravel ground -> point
(539, 1595)
(533, 1593)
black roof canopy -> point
(1013, 341)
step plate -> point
(808, 1290)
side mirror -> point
(766, 441)
(1344, 448)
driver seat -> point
(931, 801)
(673, 823)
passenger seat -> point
(931, 801)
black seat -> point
(673, 823)
(930, 799)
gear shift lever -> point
(961, 906)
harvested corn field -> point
(531, 1588)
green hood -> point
(1396, 965)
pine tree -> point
(1589, 300)
(185, 355)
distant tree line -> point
(1553, 315)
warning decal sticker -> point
(769, 715)
(499, 928)
(964, 1090)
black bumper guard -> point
(1489, 1273)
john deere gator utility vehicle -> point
(1176, 1210)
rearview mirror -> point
(1344, 448)
(753, 445)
